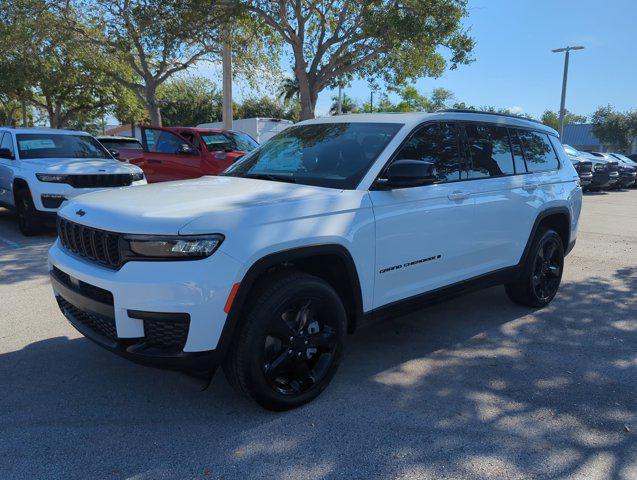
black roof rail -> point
(481, 112)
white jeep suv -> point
(40, 169)
(265, 268)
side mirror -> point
(6, 153)
(114, 152)
(408, 173)
(186, 149)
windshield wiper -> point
(272, 177)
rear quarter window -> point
(538, 151)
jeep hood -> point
(80, 166)
(204, 205)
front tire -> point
(542, 272)
(290, 342)
(28, 221)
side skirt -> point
(417, 302)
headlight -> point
(52, 177)
(138, 176)
(187, 247)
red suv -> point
(177, 153)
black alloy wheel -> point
(299, 347)
(541, 273)
(547, 270)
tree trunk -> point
(25, 118)
(306, 95)
(151, 103)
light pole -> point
(564, 80)
(226, 109)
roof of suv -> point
(49, 131)
(414, 119)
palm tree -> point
(289, 89)
(347, 105)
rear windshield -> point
(334, 155)
(121, 143)
(46, 145)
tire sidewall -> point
(26, 212)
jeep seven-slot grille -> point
(584, 167)
(613, 166)
(98, 181)
(94, 244)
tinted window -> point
(7, 142)
(335, 155)
(538, 151)
(243, 142)
(489, 151)
(518, 156)
(438, 144)
(121, 143)
(217, 141)
(44, 145)
(161, 141)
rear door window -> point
(489, 151)
(538, 151)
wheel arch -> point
(331, 262)
(557, 218)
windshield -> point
(571, 151)
(334, 155)
(51, 145)
(624, 159)
(220, 141)
(121, 143)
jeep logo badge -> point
(80, 212)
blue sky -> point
(515, 67)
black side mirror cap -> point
(407, 173)
(114, 153)
(187, 150)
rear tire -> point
(290, 342)
(542, 272)
(28, 221)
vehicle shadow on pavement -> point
(22, 258)
(475, 387)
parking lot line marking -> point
(11, 243)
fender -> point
(536, 225)
(278, 258)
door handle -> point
(458, 196)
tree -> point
(613, 128)
(265, 107)
(552, 119)
(157, 39)
(289, 89)
(44, 65)
(189, 101)
(347, 105)
(389, 39)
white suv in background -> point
(40, 169)
(265, 269)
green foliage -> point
(265, 107)
(189, 101)
(552, 119)
(347, 106)
(616, 129)
(47, 66)
(391, 40)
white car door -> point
(6, 170)
(505, 196)
(423, 237)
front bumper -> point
(626, 179)
(161, 314)
(604, 179)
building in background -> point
(581, 137)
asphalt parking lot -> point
(476, 387)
